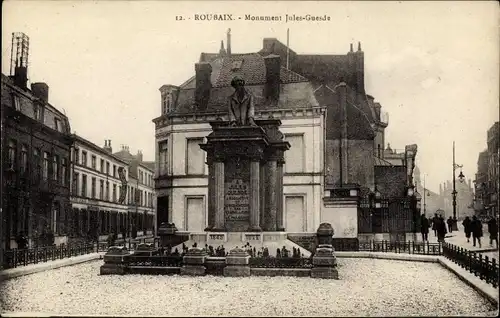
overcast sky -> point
(432, 65)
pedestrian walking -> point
(435, 222)
(424, 228)
(493, 230)
(477, 231)
(450, 224)
(441, 229)
(467, 228)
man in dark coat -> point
(441, 228)
(477, 231)
(435, 222)
(467, 228)
(424, 228)
(493, 230)
(450, 224)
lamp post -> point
(454, 193)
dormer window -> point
(37, 112)
(167, 104)
(57, 124)
(236, 65)
(16, 102)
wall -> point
(343, 218)
(360, 162)
(391, 181)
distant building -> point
(98, 191)
(481, 184)
(493, 136)
(36, 158)
(465, 197)
(141, 198)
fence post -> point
(493, 273)
(480, 266)
(484, 268)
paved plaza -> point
(367, 287)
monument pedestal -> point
(245, 176)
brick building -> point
(36, 146)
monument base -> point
(325, 272)
(193, 270)
(112, 269)
(237, 271)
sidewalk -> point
(458, 238)
(40, 267)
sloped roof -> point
(253, 70)
(125, 155)
(295, 90)
(381, 162)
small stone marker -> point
(115, 261)
(324, 260)
(237, 263)
(194, 262)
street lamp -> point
(461, 177)
(413, 209)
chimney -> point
(272, 87)
(21, 76)
(40, 90)
(139, 155)
(228, 42)
(107, 146)
(359, 70)
(203, 84)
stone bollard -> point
(237, 263)
(115, 261)
(144, 249)
(194, 262)
(324, 260)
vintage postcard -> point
(249, 158)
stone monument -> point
(324, 260)
(245, 159)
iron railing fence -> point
(154, 260)
(281, 262)
(23, 257)
(481, 266)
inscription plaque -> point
(237, 195)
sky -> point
(433, 66)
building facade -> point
(141, 198)
(36, 167)
(186, 111)
(98, 191)
(493, 184)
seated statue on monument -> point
(241, 104)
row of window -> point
(195, 156)
(32, 220)
(81, 157)
(146, 178)
(52, 166)
(80, 188)
(38, 112)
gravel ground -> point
(367, 287)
